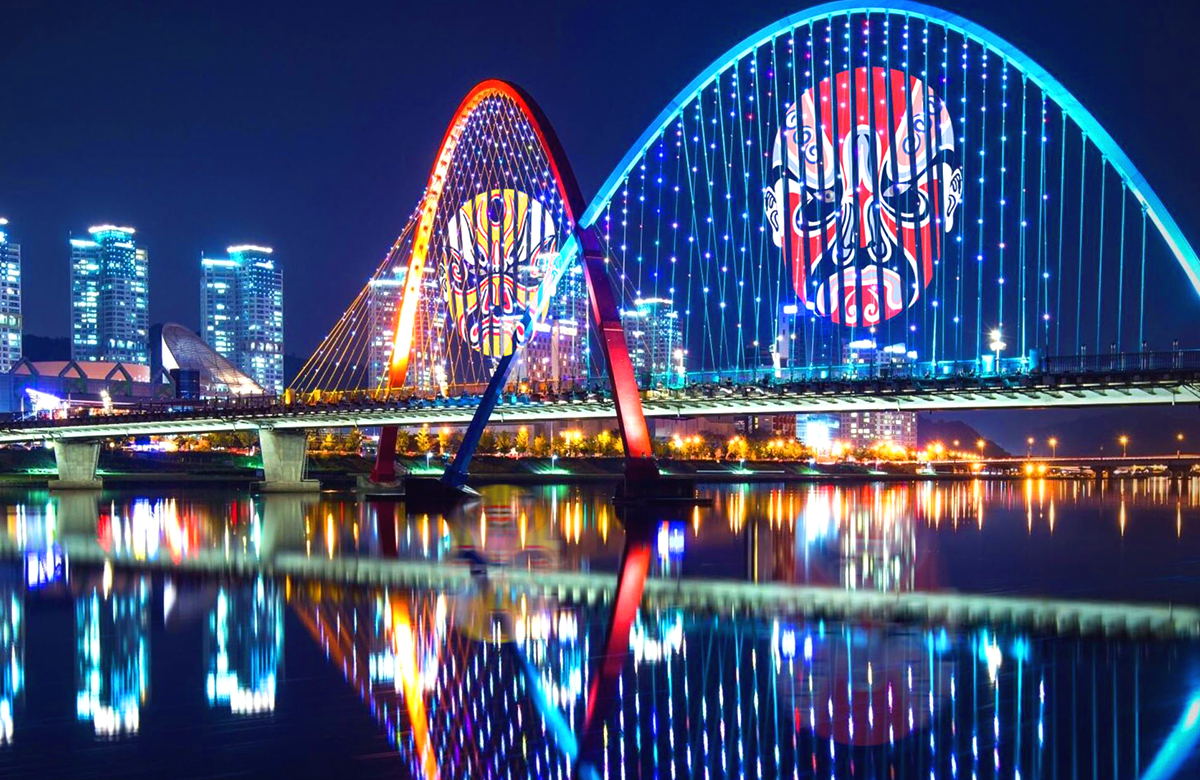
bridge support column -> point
(76, 461)
(283, 453)
(641, 472)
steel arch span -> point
(880, 184)
(498, 225)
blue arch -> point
(1053, 89)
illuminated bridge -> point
(862, 206)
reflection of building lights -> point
(669, 641)
(113, 662)
(246, 636)
(670, 541)
(43, 567)
(991, 655)
(12, 656)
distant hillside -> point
(949, 431)
(1151, 431)
(38, 348)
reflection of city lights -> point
(654, 649)
(246, 641)
(113, 660)
(670, 541)
(991, 655)
(12, 656)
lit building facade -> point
(557, 356)
(110, 297)
(383, 304)
(655, 339)
(241, 307)
(10, 299)
(803, 341)
(218, 305)
(863, 429)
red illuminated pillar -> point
(639, 459)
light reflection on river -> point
(291, 677)
(1034, 537)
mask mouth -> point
(491, 333)
(861, 297)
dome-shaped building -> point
(175, 347)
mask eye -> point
(904, 199)
(816, 208)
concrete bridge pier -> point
(76, 462)
(283, 454)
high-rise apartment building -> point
(10, 299)
(557, 355)
(218, 305)
(655, 338)
(383, 305)
(427, 362)
(110, 297)
(241, 311)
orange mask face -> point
(499, 247)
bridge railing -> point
(1125, 362)
(985, 368)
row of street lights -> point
(1123, 440)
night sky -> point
(311, 127)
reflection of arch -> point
(1038, 75)
(603, 302)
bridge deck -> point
(910, 395)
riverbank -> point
(35, 468)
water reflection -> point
(889, 537)
(721, 696)
(245, 647)
(479, 675)
(112, 657)
(484, 680)
(12, 649)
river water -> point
(191, 633)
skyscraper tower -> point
(10, 300)
(110, 297)
(218, 305)
(241, 311)
(655, 338)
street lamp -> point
(1053, 447)
(1123, 440)
(1178, 444)
(981, 444)
(996, 344)
(1029, 452)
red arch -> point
(632, 422)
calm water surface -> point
(147, 635)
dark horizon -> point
(314, 134)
